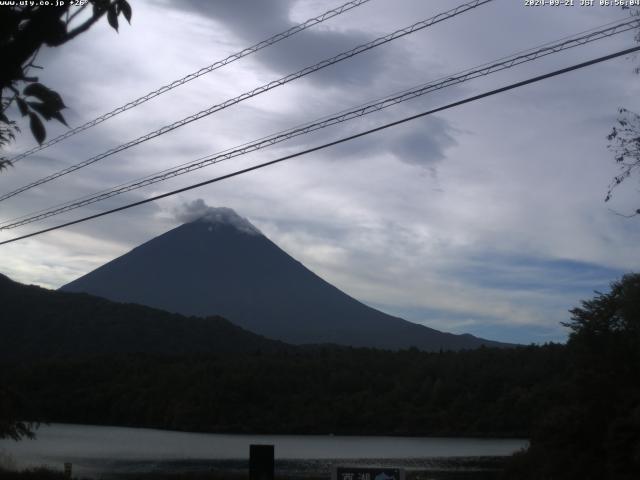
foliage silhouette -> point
(25, 28)
(624, 138)
(593, 430)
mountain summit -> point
(223, 215)
(220, 264)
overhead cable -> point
(257, 91)
(346, 115)
(333, 143)
(192, 76)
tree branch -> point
(635, 214)
(79, 10)
(87, 24)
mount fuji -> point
(220, 264)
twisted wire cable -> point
(332, 143)
(192, 76)
(257, 91)
(365, 109)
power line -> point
(192, 76)
(335, 142)
(485, 69)
(345, 115)
(257, 91)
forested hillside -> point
(488, 392)
(41, 323)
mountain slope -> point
(37, 323)
(221, 264)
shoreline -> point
(347, 434)
(434, 468)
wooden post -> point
(261, 463)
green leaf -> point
(58, 116)
(55, 100)
(99, 6)
(22, 106)
(126, 9)
(112, 17)
(37, 128)
(47, 111)
(37, 90)
(54, 32)
(45, 94)
(4, 163)
(42, 108)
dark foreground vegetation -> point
(32, 474)
(592, 430)
(467, 469)
(578, 403)
(343, 391)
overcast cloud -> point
(487, 218)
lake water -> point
(95, 450)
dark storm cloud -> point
(249, 19)
(422, 143)
(425, 143)
(255, 21)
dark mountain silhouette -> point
(40, 323)
(221, 264)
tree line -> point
(487, 392)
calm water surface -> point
(94, 449)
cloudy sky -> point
(487, 218)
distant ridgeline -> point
(37, 322)
(220, 264)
